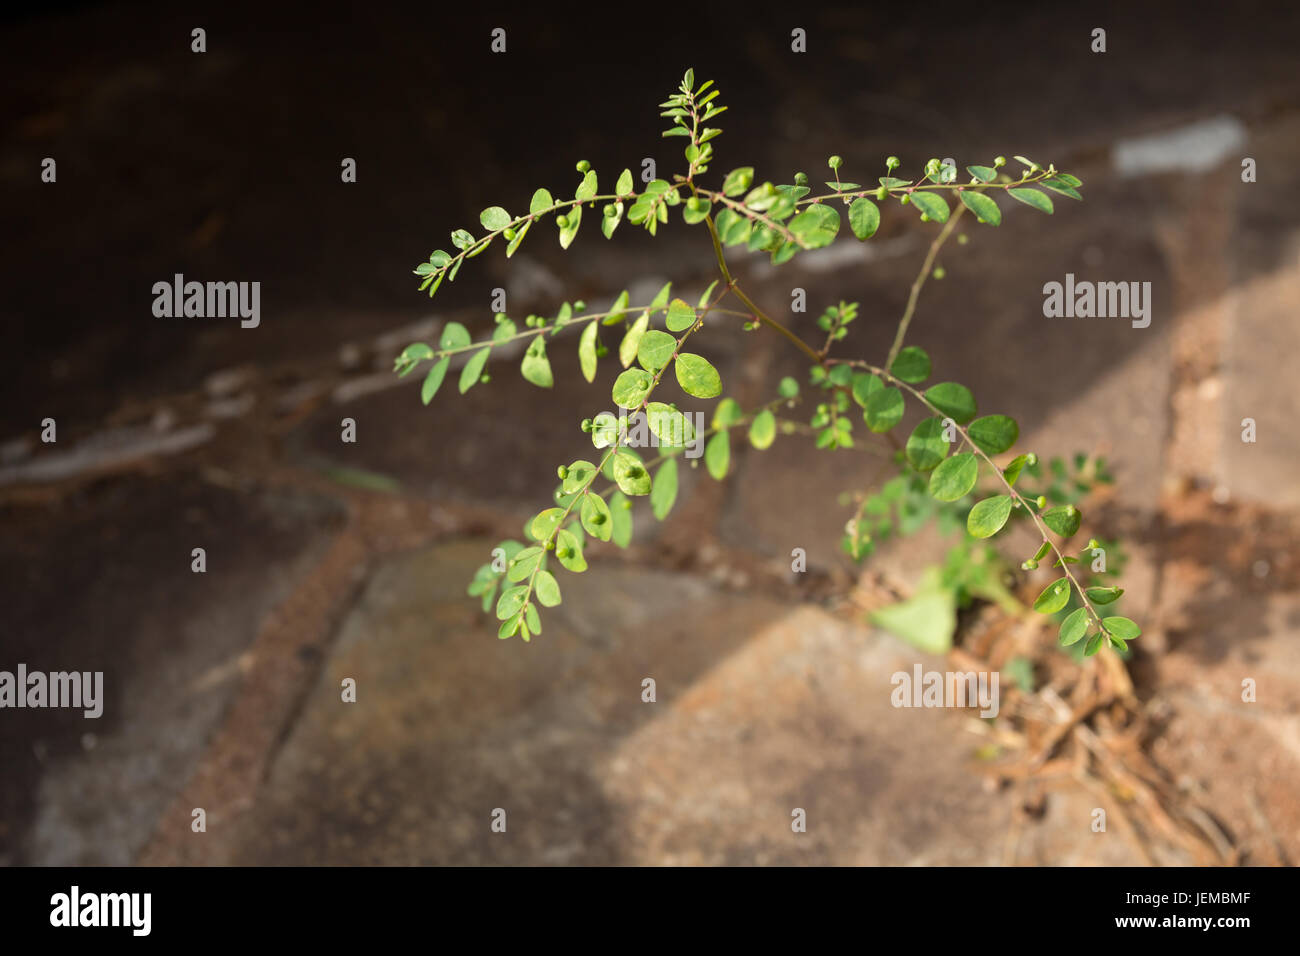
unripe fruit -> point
(835, 162)
(1042, 501)
(892, 162)
(562, 471)
(561, 221)
(1000, 162)
(586, 425)
(882, 193)
(583, 166)
(508, 233)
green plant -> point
(782, 221)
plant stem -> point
(1015, 495)
(921, 276)
(755, 311)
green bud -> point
(800, 179)
(882, 193)
(1028, 565)
(601, 351)
(1000, 162)
(562, 472)
(938, 272)
(932, 167)
(586, 425)
(1093, 543)
(962, 238)
(904, 199)
(583, 166)
(835, 162)
(1042, 501)
(892, 163)
(1031, 459)
(550, 544)
(484, 378)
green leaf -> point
(884, 409)
(1054, 597)
(630, 475)
(671, 427)
(912, 365)
(433, 381)
(697, 377)
(1057, 185)
(587, 188)
(680, 316)
(816, 226)
(625, 184)
(568, 550)
(655, 350)
(1063, 519)
(994, 433)
(695, 210)
(737, 181)
(985, 174)
(541, 201)
(717, 455)
(864, 218)
(577, 476)
(536, 367)
(930, 203)
(1012, 471)
(984, 208)
(926, 621)
(1094, 644)
(627, 350)
(532, 622)
(926, 446)
(955, 477)
(1032, 197)
(587, 351)
(415, 352)
(472, 369)
(604, 429)
(1103, 595)
(512, 599)
(494, 218)
(953, 400)
(1121, 627)
(864, 386)
(524, 563)
(454, 336)
(595, 516)
(1074, 627)
(544, 523)
(762, 430)
(572, 219)
(548, 589)
(987, 518)
(631, 388)
(704, 296)
(621, 512)
(727, 413)
(664, 492)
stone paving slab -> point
(761, 708)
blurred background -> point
(327, 560)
